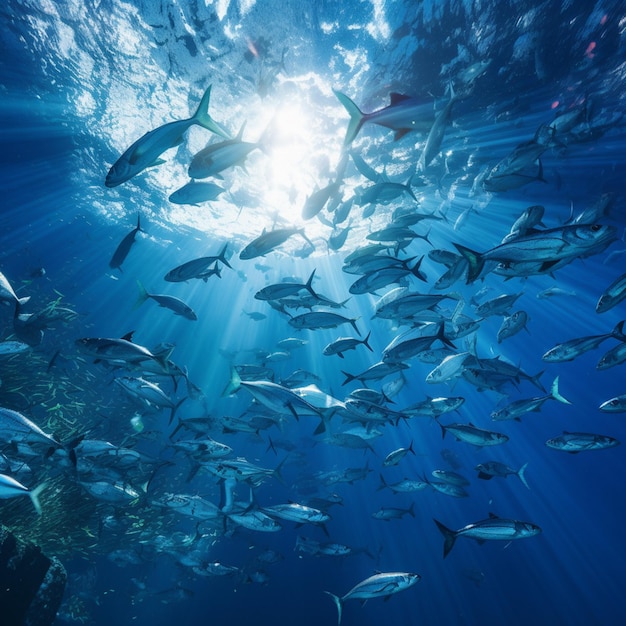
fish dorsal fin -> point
(128, 336)
(240, 133)
(396, 98)
(493, 515)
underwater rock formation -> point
(31, 584)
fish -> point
(298, 513)
(145, 152)
(122, 250)
(569, 350)
(8, 295)
(322, 319)
(318, 199)
(274, 396)
(489, 469)
(122, 350)
(387, 513)
(434, 407)
(579, 442)
(216, 157)
(526, 222)
(497, 306)
(379, 370)
(614, 405)
(343, 344)
(405, 485)
(168, 302)
(11, 488)
(198, 268)
(403, 114)
(13, 347)
(393, 458)
(436, 133)
(473, 435)
(148, 392)
(16, 428)
(515, 410)
(285, 289)
(269, 241)
(381, 585)
(541, 250)
(399, 350)
(493, 528)
(512, 324)
(612, 295)
(196, 193)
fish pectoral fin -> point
(546, 265)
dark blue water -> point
(82, 81)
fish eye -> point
(596, 227)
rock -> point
(31, 584)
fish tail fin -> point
(202, 117)
(174, 409)
(554, 392)
(449, 537)
(383, 483)
(521, 475)
(357, 118)
(34, 496)
(309, 285)
(277, 473)
(365, 342)
(411, 450)
(222, 256)
(353, 322)
(349, 378)
(415, 270)
(303, 235)
(142, 297)
(535, 380)
(139, 223)
(270, 446)
(412, 509)
(338, 603)
(475, 261)
(233, 384)
(441, 335)
(618, 331)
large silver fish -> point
(542, 249)
(380, 585)
(494, 528)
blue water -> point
(82, 80)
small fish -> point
(578, 442)
(387, 513)
(269, 241)
(168, 302)
(473, 435)
(343, 344)
(614, 405)
(124, 246)
(393, 458)
(199, 268)
(612, 295)
(489, 469)
(195, 193)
